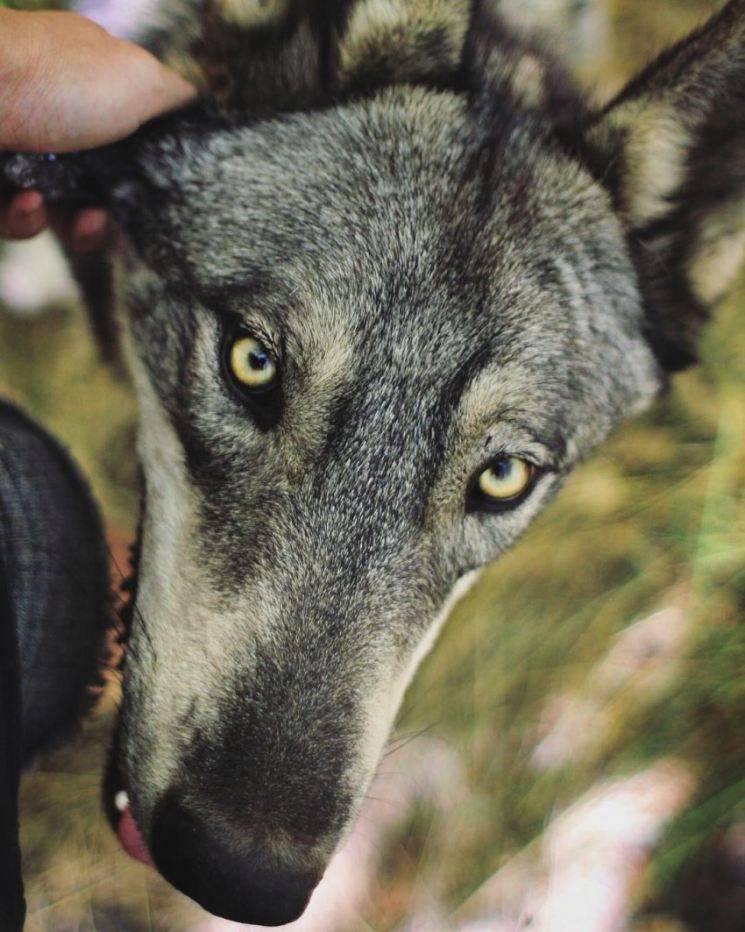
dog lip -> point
(119, 812)
(129, 834)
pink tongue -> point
(131, 840)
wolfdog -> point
(379, 292)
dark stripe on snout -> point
(378, 429)
(277, 761)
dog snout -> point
(229, 877)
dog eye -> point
(251, 365)
(505, 482)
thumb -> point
(66, 84)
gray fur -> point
(438, 246)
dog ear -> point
(671, 147)
(461, 45)
(260, 57)
(257, 58)
(402, 41)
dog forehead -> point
(411, 175)
(409, 226)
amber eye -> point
(252, 365)
(505, 481)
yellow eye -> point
(506, 479)
(251, 365)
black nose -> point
(229, 880)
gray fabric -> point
(52, 549)
(53, 611)
(12, 906)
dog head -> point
(375, 312)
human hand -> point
(66, 85)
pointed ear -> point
(259, 57)
(461, 45)
(402, 41)
(672, 149)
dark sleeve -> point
(53, 614)
(12, 905)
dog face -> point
(438, 324)
(370, 339)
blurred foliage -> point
(656, 518)
(34, 4)
(50, 366)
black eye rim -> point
(478, 501)
(231, 335)
(264, 405)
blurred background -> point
(572, 754)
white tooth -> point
(121, 801)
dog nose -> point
(230, 881)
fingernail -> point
(27, 223)
(28, 204)
(90, 230)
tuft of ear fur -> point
(260, 57)
(671, 147)
(505, 69)
(402, 41)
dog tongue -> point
(131, 839)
